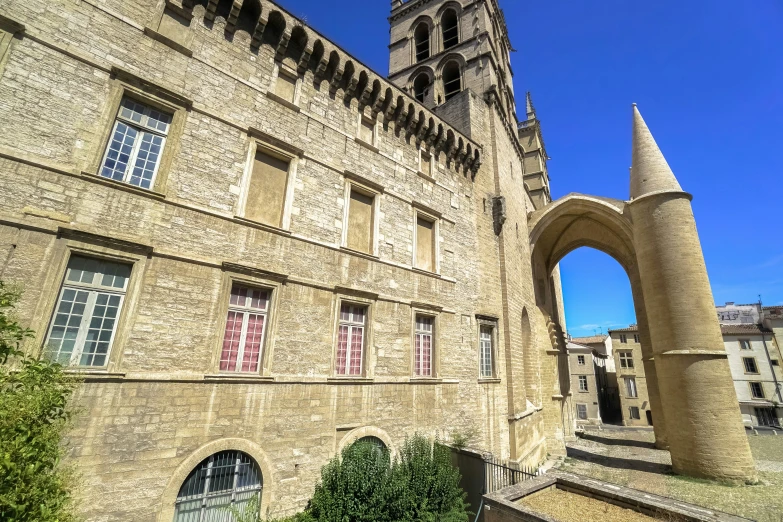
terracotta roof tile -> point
(743, 329)
(593, 339)
(633, 328)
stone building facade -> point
(584, 384)
(255, 250)
(631, 379)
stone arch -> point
(420, 34)
(275, 28)
(449, 16)
(365, 431)
(248, 17)
(450, 72)
(416, 79)
(169, 496)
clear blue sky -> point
(708, 78)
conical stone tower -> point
(703, 424)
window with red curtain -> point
(245, 327)
(422, 350)
(350, 339)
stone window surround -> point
(263, 143)
(417, 310)
(580, 360)
(254, 279)
(71, 243)
(494, 323)
(433, 165)
(434, 217)
(358, 298)
(8, 31)
(292, 74)
(580, 408)
(631, 415)
(583, 379)
(626, 359)
(124, 84)
(763, 394)
(630, 385)
(369, 189)
(361, 118)
(743, 343)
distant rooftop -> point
(631, 328)
(589, 340)
(743, 329)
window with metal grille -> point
(756, 390)
(422, 356)
(350, 339)
(486, 342)
(581, 411)
(750, 365)
(450, 24)
(580, 359)
(583, 383)
(634, 412)
(630, 387)
(136, 145)
(744, 344)
(626, 360)
(229, 479)
(87, 311)
(421, 88)
(243, 340)
(767, 417)
(452, 80)
(422, 38)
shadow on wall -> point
(618, 442)
(618, 463)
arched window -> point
(229, 479)
(452, 80)
(421, 87)
(380, 447)
(422, 38)
(449, 23)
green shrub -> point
(33, 415)
(363, 485)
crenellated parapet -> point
(304, 50)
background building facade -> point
(631, 378)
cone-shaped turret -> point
(649, 171)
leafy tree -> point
(33, 415)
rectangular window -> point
(486, 348)
(425, 244)
(367, 130)
(360, 222)
(425, 163)
(243, 340)
(285, 87)
(583, 383)
(136, 144)
(756, 390)
(766, 417)
(422, 356)
(267, 189)
(750, 365)
(581, 411)
(630, 387)
(350, 339)
(744, 344)
(623, 338)
(87, 311)
(626, 360)
(580, 359)
(775, 362)
(636, 338)
(634, 412)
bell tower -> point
(440, 48)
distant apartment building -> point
(631, 380)
(749, 335)
(605, 376)
(583, 384)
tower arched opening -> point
(421, 37)
(452, 80)
(450, 26)
(421, 87)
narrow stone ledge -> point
(709, 353)
(349, 380)
(494, 380)
(262, 226)
(119, 185)
(426, 176)
(238, 379)
(168, 42)
(367, 145)
(272, 96)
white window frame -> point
(376, 209)
(257, 145)
(93, 291)
(492, 327)
(626, 360)
(631, 391)
(581, 411)
(142, 129)
(247, 310)
(761, 387)
(419, 334)
(583, 384)
(436, 238)
(580, 360)
(352, 325)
